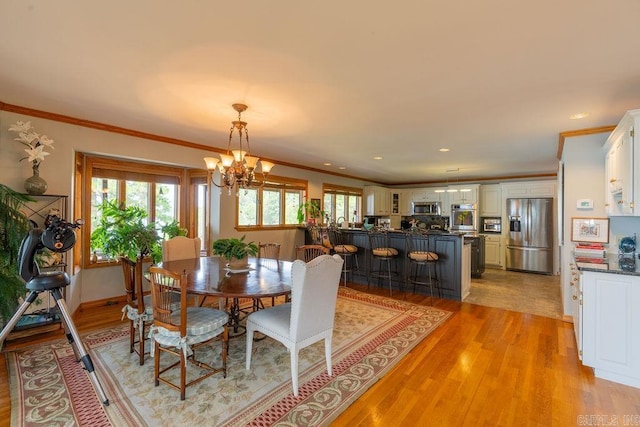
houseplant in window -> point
(235, 251)
(14, 226)
(310, 209)
(122, 231)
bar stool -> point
(342, 246)
(422, 262)
(381, 253)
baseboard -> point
(566, 318)
(102, 302)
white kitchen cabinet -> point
(463, 194)
(493, 250)
(576, 305)
(611, 326)
(378, 200)
(529, 189)
(490, 200)
(406, 205)
(621, 190)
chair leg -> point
(249, 348)
(183, 375)
(156, 364)
(141, 324)
(327, 354)
(294, 369)
(132, 337)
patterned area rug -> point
(371, 335)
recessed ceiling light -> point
(577, 116)
(327, 164)
(377, 158)
(444, 150)
(342, 167)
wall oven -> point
(464, 218)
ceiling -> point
(339, 82)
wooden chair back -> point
(180, 247)
(308, 252)
(132, 271)
(269, 250)
(164, 287)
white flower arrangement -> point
(28, 136)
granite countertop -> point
(614, 263)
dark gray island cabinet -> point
(453, 267)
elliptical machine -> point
(58, 236)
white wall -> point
(584, 178)
(57, 170)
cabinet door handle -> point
(612, 180)
(574, 297)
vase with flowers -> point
(36, 145)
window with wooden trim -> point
(274, 205)
(159, 189)
(342, 203)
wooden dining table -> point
(210, 276)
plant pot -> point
(238, 264)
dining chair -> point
(308, 252)
(267, 251)
(270, 250)
(139, 309)
(180, 247)
(308, 318)
(180, 331)
(422, 261)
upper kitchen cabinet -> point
(622, 192)
(491, 200)
(529, 189)
(378, 200)
(401, 202)
(463, 194)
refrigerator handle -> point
(528, 231)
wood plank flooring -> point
(484, 366)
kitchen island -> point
(453, 266)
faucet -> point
(338, 222)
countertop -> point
(614, 264)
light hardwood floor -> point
(484, 366)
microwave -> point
(491, 225)
(427, 208)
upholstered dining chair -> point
(308, 252)
(180, 247)
(138, 309)
(181, 331)
(309, 316)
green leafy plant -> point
(234, 248)
(14, 226)
(309, 208)
(122, 232)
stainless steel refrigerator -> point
(530, 238)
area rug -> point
(371, 335)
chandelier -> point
(237, 167)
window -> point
(273, 205)
(155, 188)
(342, 203)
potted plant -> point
(14, 226)
(235, 251)
(309, 209)
(122, 232)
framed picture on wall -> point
(592, 230)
